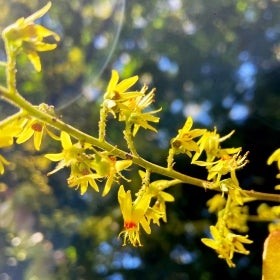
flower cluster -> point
(87, 165)
(226, 243)
(129, 106)
(140, 211)
(27, 37)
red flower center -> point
(129, 225)
(37, 127)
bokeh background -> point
(217, 61)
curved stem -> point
(22, 103)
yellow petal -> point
(65, 140)
(113, 81)
(167, 196)
(38, 140)
(39, 13)
(35, 60)
(126, 84)
(274, 157)
(54, 157)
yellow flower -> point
(275, 156)
(226, 243)
(210, 143)
(109, 167)
(3, 162)
(83, 182)
(133, 214)
(117, 93)
(156, 189)
(216, 203)
(227, 164)
(135, 111)
(183, 142)
(36, 128)
(9, 131)
(69, 155)
(29, 37)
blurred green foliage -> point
(215, 60)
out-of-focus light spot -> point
(250, 15)
(36, 238)
(16, 241)
(105, 248)
(115, 276)
(130, 262)
(100, 42)
(101, 269)
(189, 27)
(12, 261)
(181, 256)
(166, 65)
(239, 112)
(175, 5)
(227, 102)
(162, 138)
(140, 22)
(272, 33)
(91, 94)
(199, 112)
(176, 106)
(243, 56)
(126, 261)
(246, 75)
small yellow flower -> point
(210, 143)
(109, 167)
(9, 131)
(183, 142)
(133, 214)
(69, 155)
(227, 164)
(135, 111)
(117, 93)
(226, 243)
(36, 128)
(29, 37)
(216, 203)
(275, 156)
(156, 189)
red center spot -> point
(37, 127)
(129, 225)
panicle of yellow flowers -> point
(24, 36)
(221, 164)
